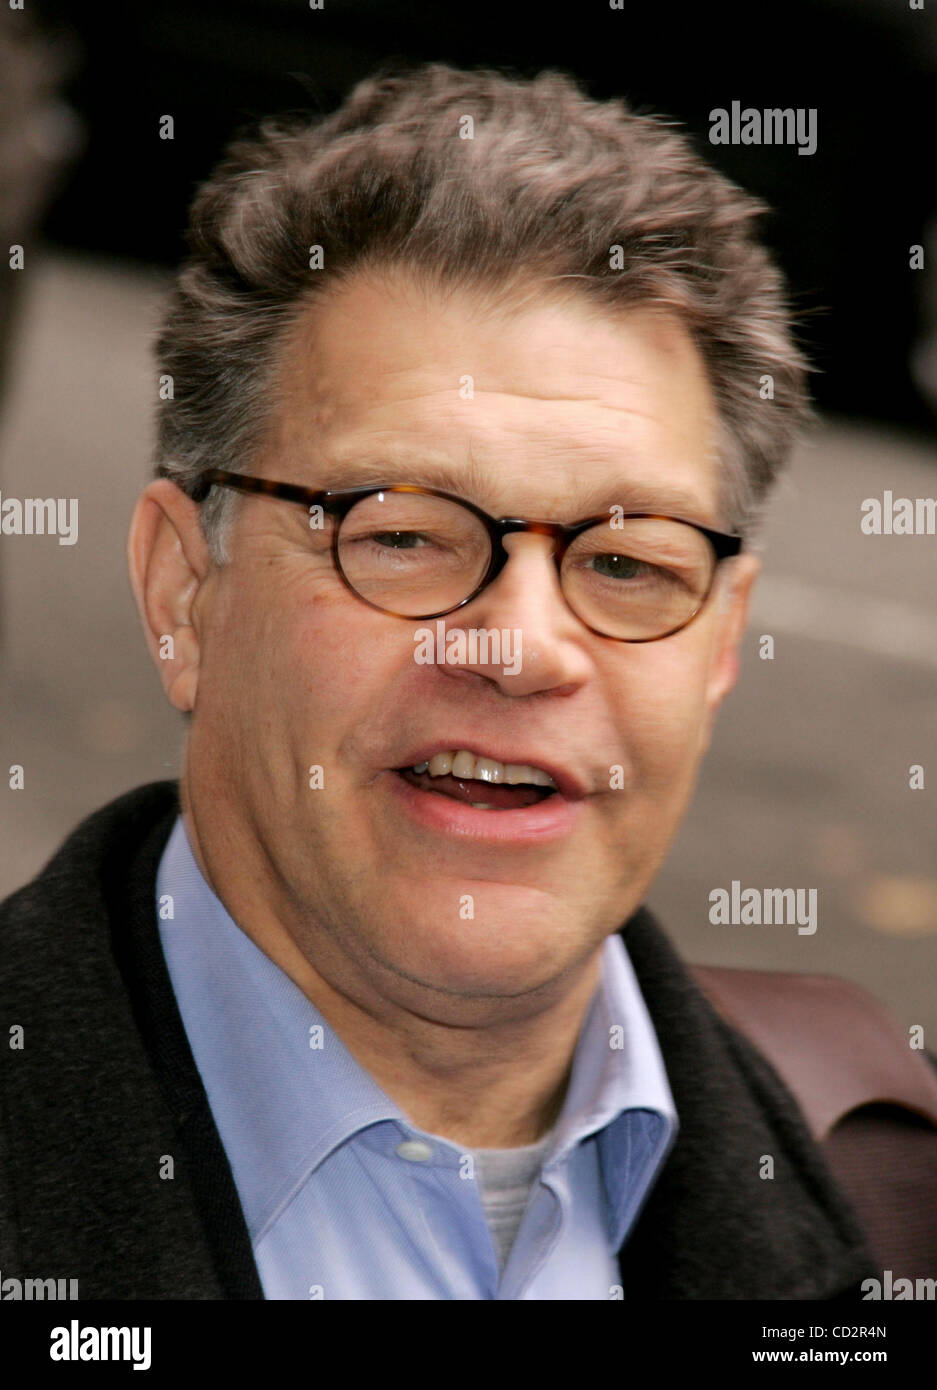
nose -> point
(525, 605)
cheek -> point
(281, 654)
(340, 664)
(321, 654)
(661, 713)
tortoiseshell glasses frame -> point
(338, 502)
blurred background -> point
(808, 781)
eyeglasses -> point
(416, 552)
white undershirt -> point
(506, 1177)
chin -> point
(503, 948)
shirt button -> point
(415, 1150)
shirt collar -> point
(285, 1091)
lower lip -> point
(538, 824)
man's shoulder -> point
(89, 1116)
(64, 934)
(792, 1237)
(98, 849)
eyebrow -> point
(472, 482)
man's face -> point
(570, 411)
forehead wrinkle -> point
(594, 434)
(317, 391)
(473, 480)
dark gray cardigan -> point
(105, 1086)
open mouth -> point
(482, 783)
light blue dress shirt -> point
(343, 1197)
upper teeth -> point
(464, 764)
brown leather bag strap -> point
(869, 1099)
(831, 1042)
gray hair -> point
(551, 186)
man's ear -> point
(169, 560)
(733, 600)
